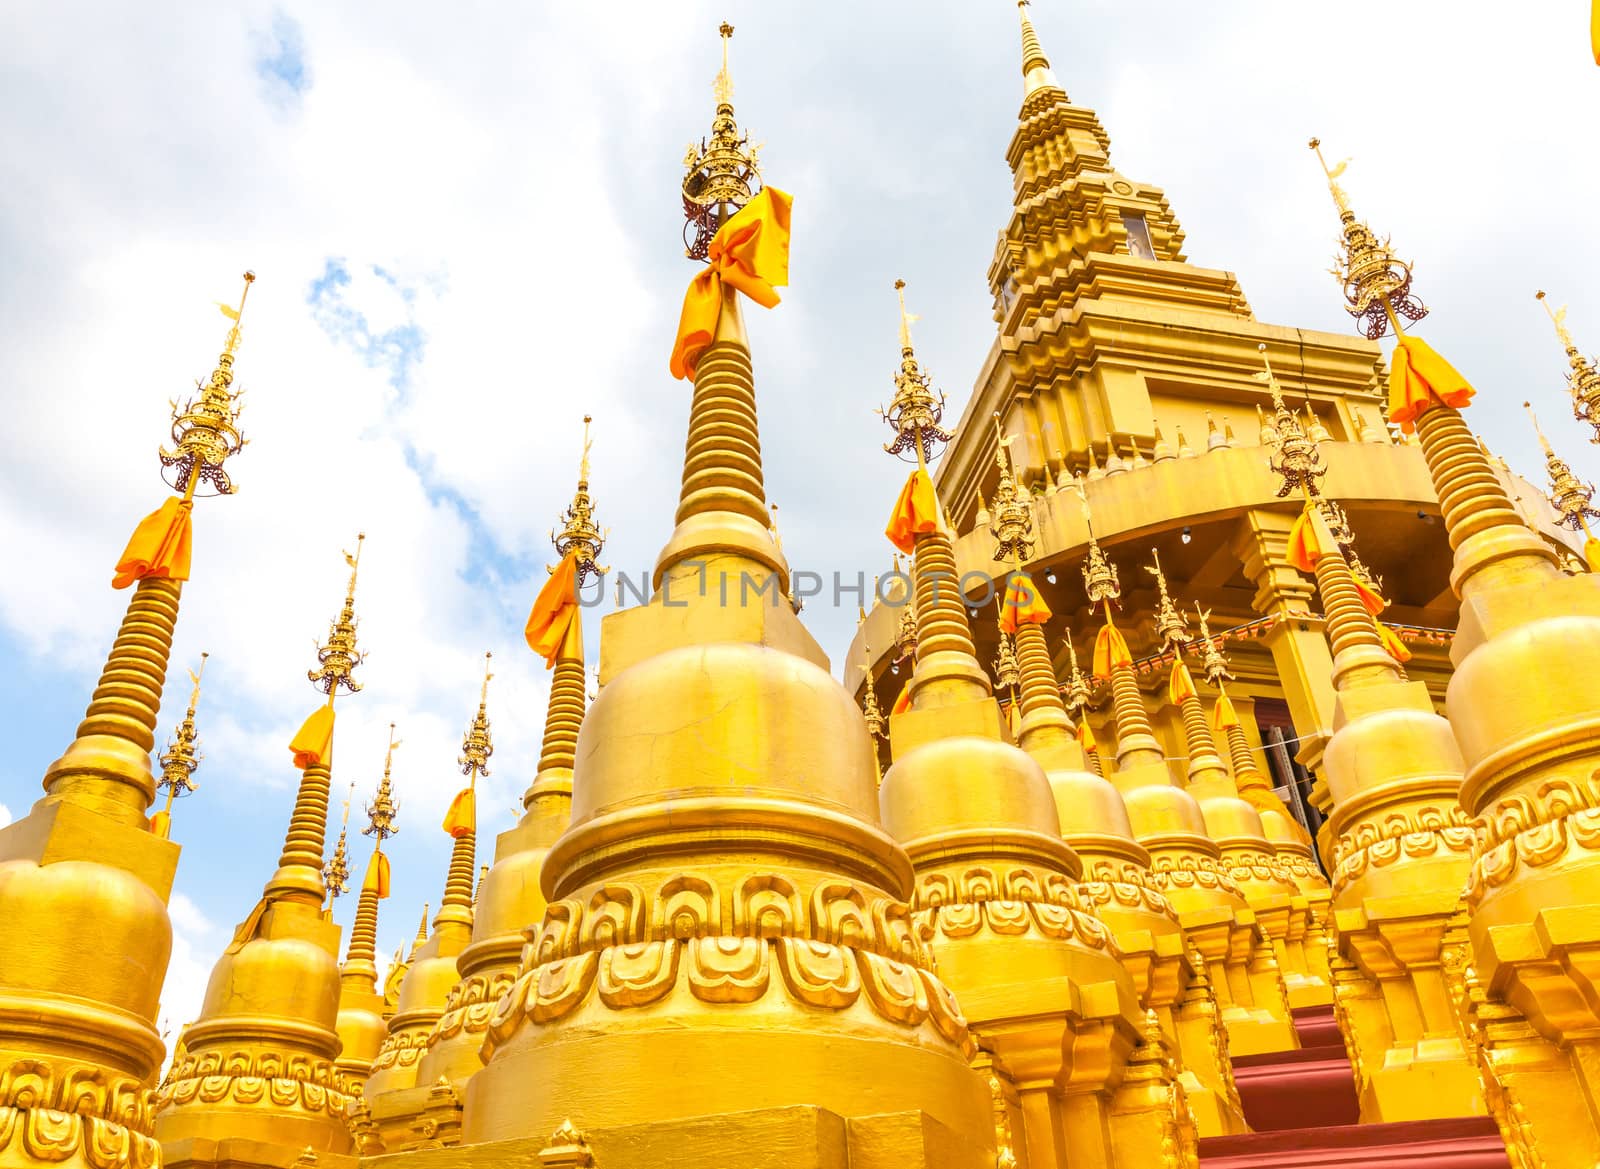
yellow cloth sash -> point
(1591, 546)
(554, 612)
(1392, 643)
(159, 546)
(1023, 604)
(1223, 715)
(1181, 686)
(377, 878)
(1370, 600)
(1419, 379)
(161, 824)
(313, 742)
(916, 512)
(1309, 540)
(1110, 648)
(750, 252)
(462, 818)
(903, 703)
(1086, 738)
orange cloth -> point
(750, 253)
(1181, 686)
(1110, 649)
(1309, 540)
(161, 824)
(915, 512)
(377, 879)
(1023, 604)
(1013, 718)
(1419, 379)
(1372, 602)
(1594, 31)
(1223, 715)
(1391, 642)
(903, 703)
(1591, 546)
(1086, 737)
(462, 818)
(313, 742)
(159, 546)
(554, 612)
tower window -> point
(1139, 244)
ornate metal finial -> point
(205, 429)
(1007, 673)
(336, 873)
(917, 409)
(1583, 378)
(1011, 517)
(1170, 625)
(905, 638)
(338, 657)
(382, 811)
(182, 757)
(476, 745)
(1569, 495)
(579, 534)
(870, 710)
(1377, 284)
(1294, 457)
(1078, 688)
(1211, 659)
(1099, 574)
(722, 173)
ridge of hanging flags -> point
(916, 511)
(160, 546)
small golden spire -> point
(1315, 431)
(205, 429)
(1583, 378)
(916, 411)
(1078, 688)
(1185, 451)
(579, 535)
(1377, 284)
(338, 658)
(382, 811)
(336, 873)
(1294, 456)
(722, 173)
(1170, 626)
(1036, 72)
(1212, 660)
(182, 757)
(1569, 495)
(1160, 452)
(476, 744)
(1011, 518)
(1006, 671)
(1099, 574)
(870, 710)
(422, 934)
(483, 875)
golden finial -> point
(916, 411)
(1077, 690)
(772, 525)
(338, 658)
(1212, 660)
(205, 429)
(1294, 456)
(1583, 378)
(336, 873)
(1036, 72)
(1011, 518)
(580, 535)
(1569, 495)
(476, 745)
(1377, 284)
(422, 934)
(722, 172)
(1007, 673)
(1170, 626)
(1185, 451)
(182, 757)
(905, 639)
(382, 811)
(1099, 574)
(1160, 452)
(870, 710)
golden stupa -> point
(1152, 825)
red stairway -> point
(1302, 1105)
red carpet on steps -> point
(1303, 1107)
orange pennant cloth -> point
(1023, 604)
(1392, 643)
(1309, 540)
(1370, 600)
(916, 512)
(159, 546)
(1591, 546)
(1181, 685)
(161, 824)
(1086, 737)
(750, 252)
(554, 612)
(377, 879)
(1419, 379)
(462, 818)
(1223, 715)
(1110, 649)
(903, 703)
(313, 742)
(1594, 31)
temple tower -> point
(727, 944)
(85, 873)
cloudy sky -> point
(466, 231)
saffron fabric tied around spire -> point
(1110, 649)
(161, 825)
(1419, 380)
(1086, 738)
(1023, 604)
(1223, 715)
(1309, 540)
(313, 742)
(159, 546)
(554, 629)
(916, 512)
(377, 878)
(903, 703)
(1392, 643)
(750, 253)
(1181, 686)
(462, 818)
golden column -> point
(396, 1094)
(509, 897)
(1185, 861)
(362, 1022)
(1251, 860)
(257, 1080)
(727, 947)
(83, 876)
(1037, 976)
(1521, 707)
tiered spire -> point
(1036, 72)
(361, 956)
(476, 747)
(1583, 378)
(336, 873)
(181, 759)
(1569, 495)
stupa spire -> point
(181, 759)
(476, 747)
(1583, 378)
(1036, 71)
(1569, 495)
(336, 873)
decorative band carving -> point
(270, 1078)
(1019, 901)
(471, 1005)
(1420, 835)
(50, 1112)
(404, 1048)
